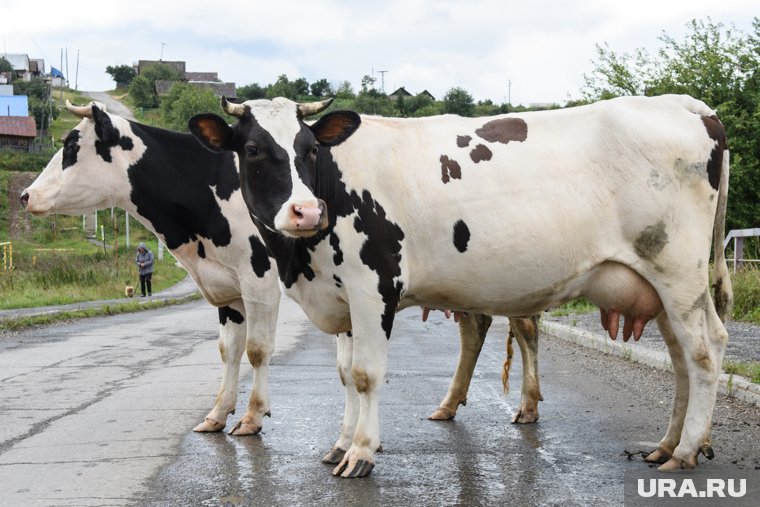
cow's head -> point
(89, 172)
(278, 153)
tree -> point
(38, 93)
(5, 65)
(143, 92)
(320, 88)
(344, 90)
(282, 88)
(121, 74)
(301, 86)
(458, 101)
(182, 102)
(716, 64)
(143, 87)
(251, 92)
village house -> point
(208, 80)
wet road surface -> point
(100, 413)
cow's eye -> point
(252, 150)
(315, 150)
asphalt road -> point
(100, 412)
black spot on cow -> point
(70, 149)
(338, 281)
(480, 153)
(229, 313)
(450, 169)
(335, 243)
(381, 252)
(461, 236)
(172, 186)
(504, 130)
(201, 250)
(259, 257)
(651, 241)
(463, 141)
(718, 134)
(126, 143)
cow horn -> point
(81, 111)
(311, 108)
(232, 108)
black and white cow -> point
(191, 199)
(616, 201)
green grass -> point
(746, 284)
(579, 305)
(749, 370)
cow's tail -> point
(507, 362)
(723, 294)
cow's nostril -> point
(297, 211)
(24, 199)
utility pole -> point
(509, 94)
(161, 58)
(61, 88)
(67, 65)
(76, 75)
(382, 79)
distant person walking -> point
(144, 261)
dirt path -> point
(112, 105)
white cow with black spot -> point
(618, 201)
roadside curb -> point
(730, 385)
(182, 291)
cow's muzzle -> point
(24, 199)
(307, 220)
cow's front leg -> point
(232, 331)
(369, 359)
(351, 412)
(261, 327)
(473, 328)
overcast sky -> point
(542, 46)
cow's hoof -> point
(209, 426)
(678, 464)
(525, 417)
(658, 456)
(442, 414)
(707, 451)
(334, 457)
(243, 428)
(359, 468)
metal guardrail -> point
(738, 236)
(7, 255)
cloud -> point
(543, 47)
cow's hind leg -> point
(351, 412)
(526, 333)
(703, 340)
(680, 399)
(232, 331)
(472, 333)
(261, 327)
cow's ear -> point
(212, 131)
(334, 128)
(104, 129)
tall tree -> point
(458, 101)
(121, 74)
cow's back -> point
(535, 199)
